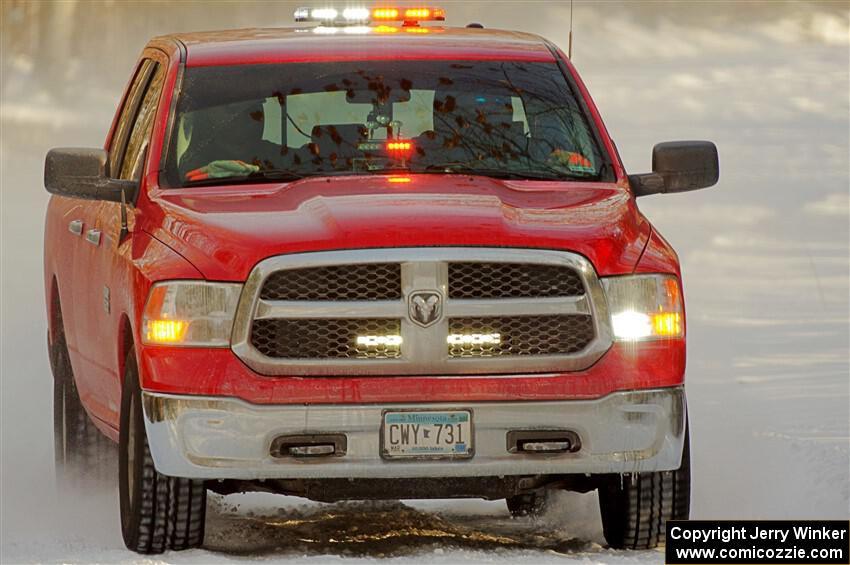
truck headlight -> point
(644, 307)
(190, 313)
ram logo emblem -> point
(425, 308)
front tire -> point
(635, 507)
(157, 512)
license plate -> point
(427, 434)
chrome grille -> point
(302, 314)
(325, 338)
(520, 335)
(371, 281)
(512, 280)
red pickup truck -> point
(366, 258)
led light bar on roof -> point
(408, 15)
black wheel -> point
(636, 507)
(157, 512)
(83, 455)
(531, 504)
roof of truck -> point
(315, 44)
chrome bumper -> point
(226, 438)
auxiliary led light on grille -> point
(474, 339)
(379, 340)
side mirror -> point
(81, 173)
(679, 166)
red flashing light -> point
(399, 146)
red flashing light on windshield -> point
(399, 146)
(399, 149)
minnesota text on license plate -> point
(427, 434)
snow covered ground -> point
(765, 256)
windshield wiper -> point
(280, 175)
(460, 168)
(283, 175)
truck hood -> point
(225, 231)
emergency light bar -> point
(366, 15)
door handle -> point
(93, 236)
(76, 227)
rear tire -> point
(157, 512)
(635, 507)
(82, 454)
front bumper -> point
(226, 438)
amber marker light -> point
(667, 324)
(166, 331)
(398, 180)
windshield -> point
(261, 123)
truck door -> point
(106, 261)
